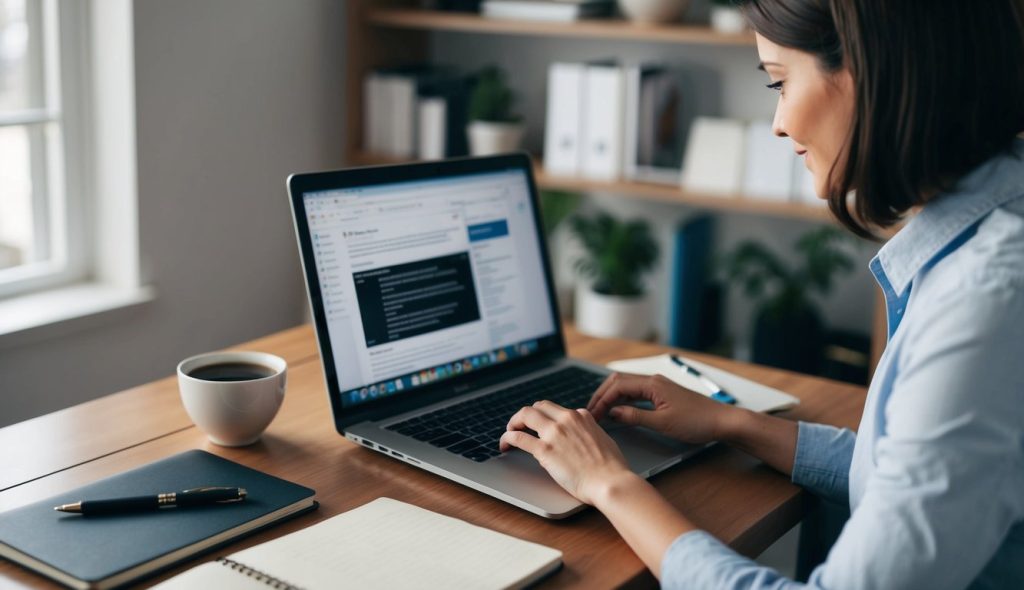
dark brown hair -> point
(939, 89)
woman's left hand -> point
(569, 444)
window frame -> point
(58, 138)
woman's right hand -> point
(678, 412)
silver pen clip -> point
(241, 493)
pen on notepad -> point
(717, 393)
(192, 497)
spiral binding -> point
(257, 575)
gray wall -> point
(232, 96)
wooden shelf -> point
(653, 192)
(618, 29)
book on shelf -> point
(656, 122)
(547, 10)
(382, 544)
(103, 551)
(415, 111)
(691, 270)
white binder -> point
(563, 127)
(404, 106)
(603, 127)
(714, 156)
(769, 169)
(433, 126)
(376, 133)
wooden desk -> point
(735, 497)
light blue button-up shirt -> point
(935, 475)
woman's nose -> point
(777, 127)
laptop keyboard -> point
(472, 428)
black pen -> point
(717, 393)
(192, 497)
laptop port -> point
(367, 443)
(397, 454)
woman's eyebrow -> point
(762, 64)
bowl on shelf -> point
(653, 11)
(727, 19)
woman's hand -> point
(678, 412)
(569, 444)
(584, 460)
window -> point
(40, 225)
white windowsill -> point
(56, 312)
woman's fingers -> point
(519, 440)
(530, 417)
(616, 388)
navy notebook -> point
(107, 551)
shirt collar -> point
(991, 185)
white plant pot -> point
(607, 316)
(487, 138)
(653, 11)
(726, 19)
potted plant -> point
(788, 331)
(617, 255)
(555, 207)
(493, 126)
(653, 11)
(726, 17)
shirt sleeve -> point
(949, 468)
(822, 461)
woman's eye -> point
(776, 85)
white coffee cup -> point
(232, 413)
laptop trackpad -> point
(648, 452)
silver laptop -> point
(436, 321)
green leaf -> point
(618, 254)
(491, 99)
(765, 279)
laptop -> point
(436, 321)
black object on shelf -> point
(793, 340)
(458, 5)
(847, 356)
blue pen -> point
(717, 393)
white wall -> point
(232, 96)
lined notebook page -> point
(391, 544)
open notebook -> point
(749, 394)
(382, 544)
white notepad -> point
(749, 394)
(382, 544)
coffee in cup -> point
(232, 396)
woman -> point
(915, 106)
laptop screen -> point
(425, 280)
